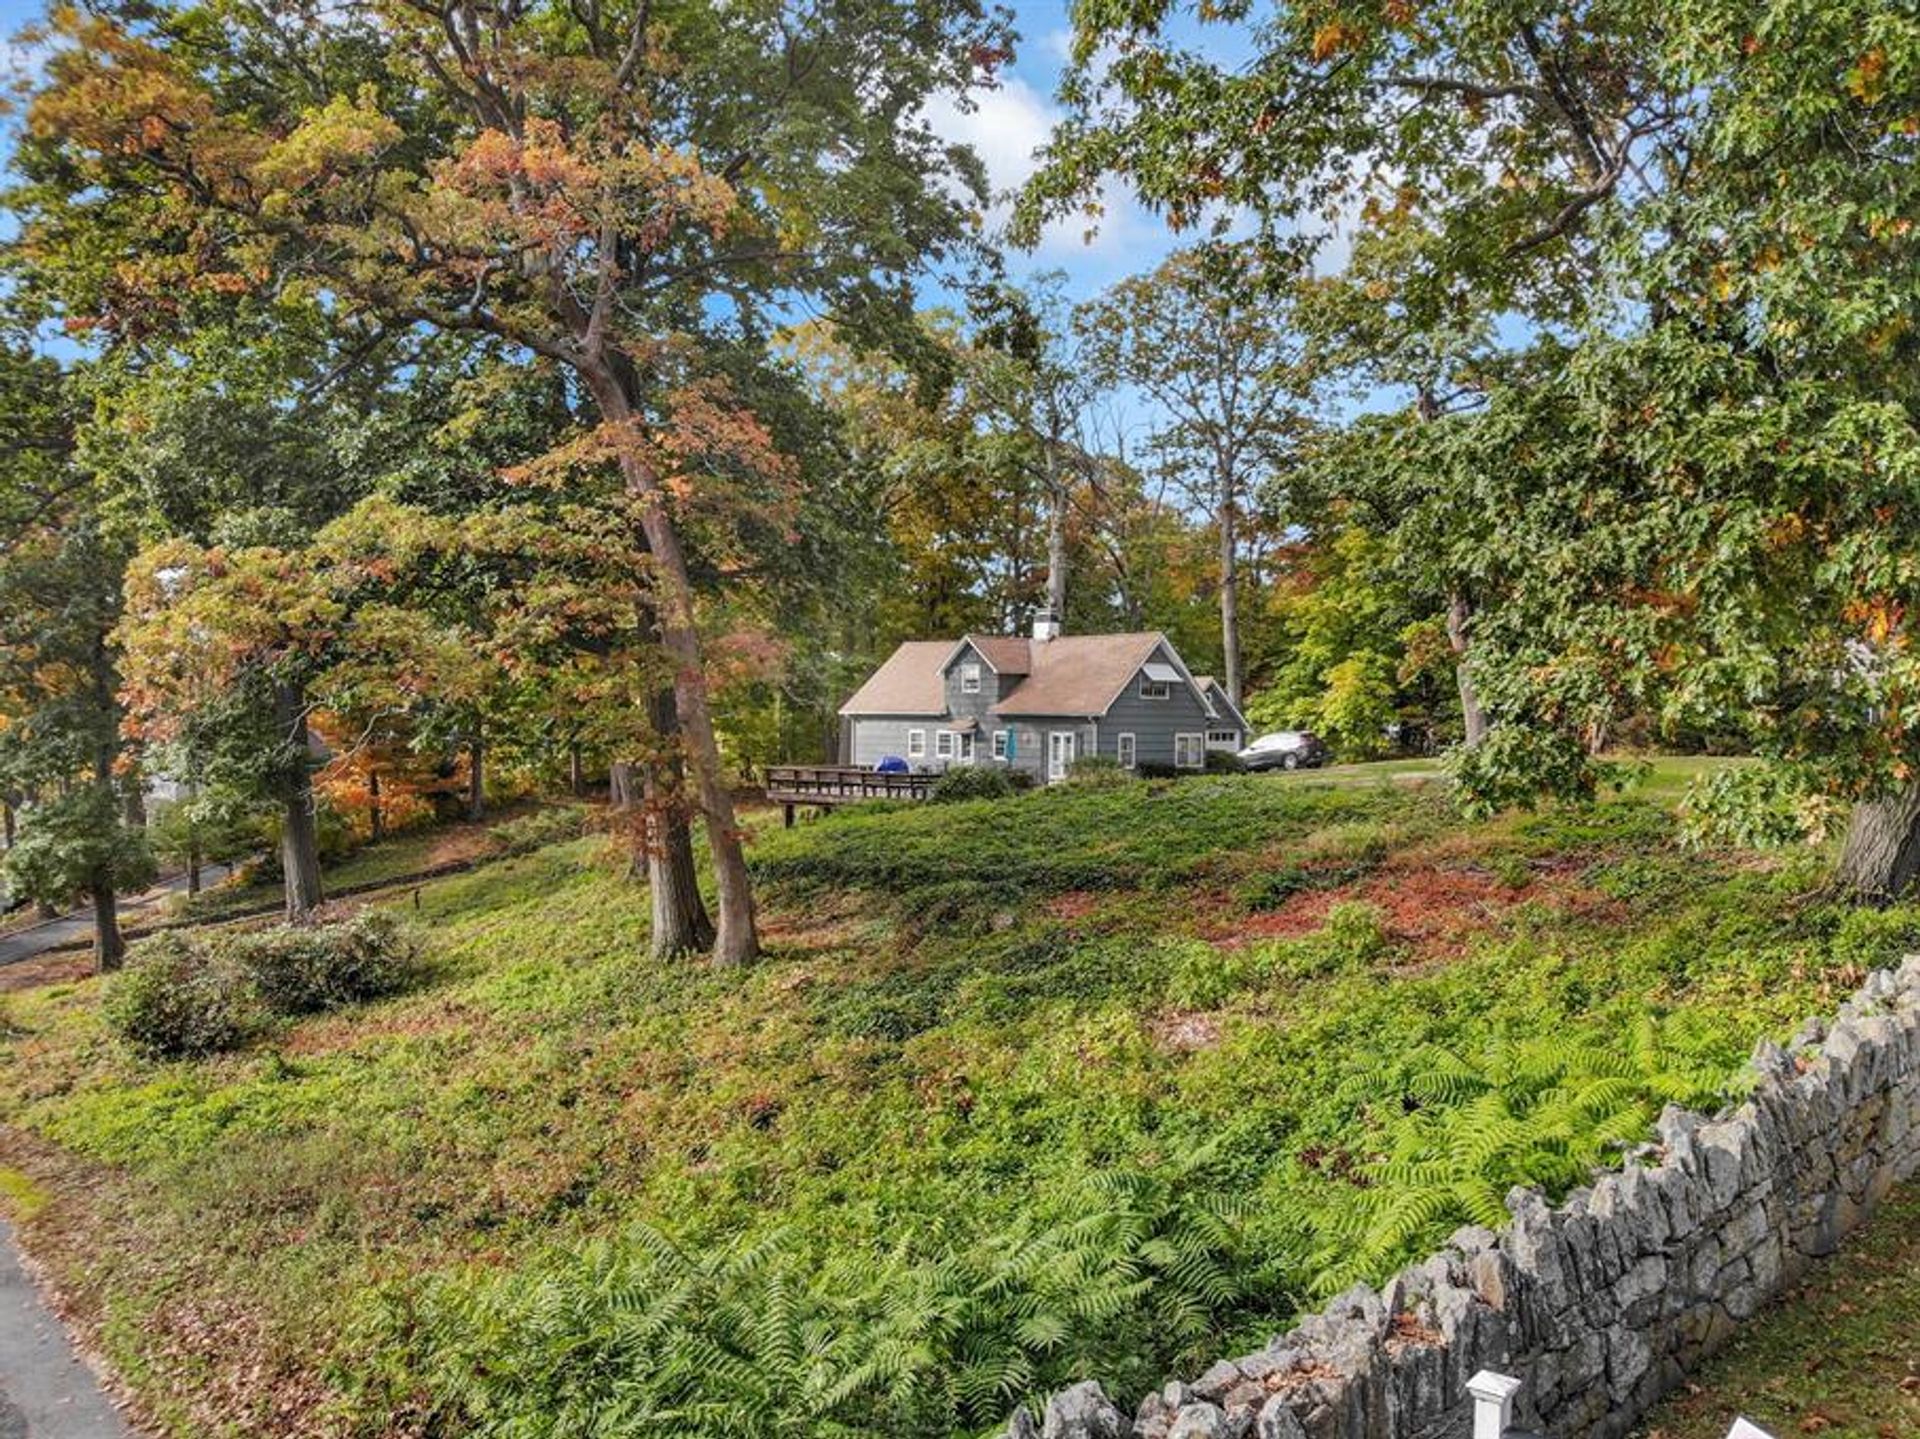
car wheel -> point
(1292, 761)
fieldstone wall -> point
(1599, 1305)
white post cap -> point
(1492, 1403)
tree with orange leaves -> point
(584, 182)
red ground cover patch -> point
(1074, 904)
(1431, 911)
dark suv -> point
(1285, 749)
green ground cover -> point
(1089, 1082)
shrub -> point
(180, 1000)
(308, 969)
(1220, 761)
(185, 996)
(976, 782)
(1098, 771)
(1156, 769)
(529, 832)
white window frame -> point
(1126, 749)
(1001, 738)
(1223, 739)
(1155, 689)
(1198, 745)
(970, 679)
(946, 744)
(916, 744)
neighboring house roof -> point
(910, 682)
(1069, 675)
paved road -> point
(72, 928)
(46, 1389)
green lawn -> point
(1093, 1081)
(1839, 1357)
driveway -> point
(77, 928)
(46, 1389)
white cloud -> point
(1007, 126)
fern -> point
(641, 1337)
(1455, 1133)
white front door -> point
(1060, 749)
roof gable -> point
(1079, 674)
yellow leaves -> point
(337, 137)
(1337, 37)
(1880, 618)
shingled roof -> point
(909, 683)
(1069, 675)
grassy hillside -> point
(1094, 1081)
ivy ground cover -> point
(1095, 1081)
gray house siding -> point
(1154, 723)
(877, 736)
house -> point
(1038, 704)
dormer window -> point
(969, 679)
(1157, 681)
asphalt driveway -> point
(77, 927)
(46, 1389)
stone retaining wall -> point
(1603, 1303)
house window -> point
(1189, 751)
(1002, 744)
(1123, 749)
(916, 744)
(969, 679)
(1154, 689)
(1223, 739)
(946, 744)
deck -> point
(793, 785)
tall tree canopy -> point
(586, 183)
(1700, 487)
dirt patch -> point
(1074, 904)
(461, 846)
(61, 967)
(1184, 1032)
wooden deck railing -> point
(827, 784)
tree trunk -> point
(6, 824)
(1056, 538)
(622, 790)
(681, 924)
(1881, 856)
(477, 775)
(376, 816)
(680, 921)
(576, 771)
(1470, 711)
(736, 936)
(109, 944)
(1230, 596)
(299, 834)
